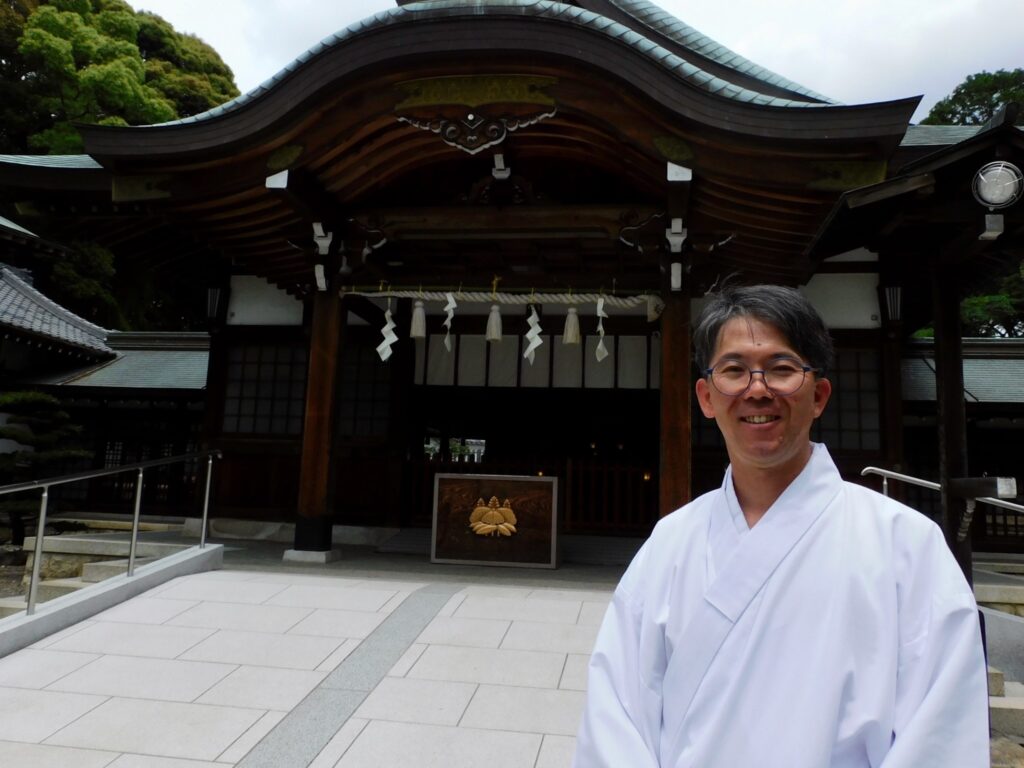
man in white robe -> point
(788, 619)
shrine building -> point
(537, 195)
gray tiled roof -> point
(145, 369)
(986, 380)
(25, 309)
(12, 227)
(52, 161)
(665, 23)
(938, 135)
(685, 70)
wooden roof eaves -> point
(917, 175)
(52, 178)
(515, 37)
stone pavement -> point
(319, 666)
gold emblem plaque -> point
(509, 520)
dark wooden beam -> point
(949, 396)
(676, 393)
(533, 222)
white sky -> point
(855, 51)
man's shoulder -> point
(688, 515)
(865, 501)
(909, 532)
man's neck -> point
(758, 488)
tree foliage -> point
(1000, 312)
(83, 280)
(16, 112)
(977, 98)
(47, 444)
(101, 62)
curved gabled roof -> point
(647, 13)
(662, 22)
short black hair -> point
(785, 308)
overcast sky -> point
(855, 51)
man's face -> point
(781, 442)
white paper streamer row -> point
(533, 335)
(388, 331)
(449, 309)
(601, 352)
(522, 299)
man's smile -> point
(763, 418)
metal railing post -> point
(885, 486)
(37, 557)
(135, 525)
(206, 502)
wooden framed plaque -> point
(509, 520)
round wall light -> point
(998, 185)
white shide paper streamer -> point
(388, 331)
(533, 335)
(601, 352)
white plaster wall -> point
(845, 300)
(254, 301)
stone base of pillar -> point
(311, 556)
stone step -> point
(1008, 598)
(1007, 715)
(104, 524)
(996, 682)
(1006, 753)
(104, 545)
(11, 605)
(997, 566)
(105, 569)
(51, 588)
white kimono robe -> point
(838, 632)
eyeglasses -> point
(783, 377)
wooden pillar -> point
(313, 526)
(890, 299)
(676, 391)
(952, 418)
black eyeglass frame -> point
(764, 377)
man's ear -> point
(822, 392)
(704, 398)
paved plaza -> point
(317, 666)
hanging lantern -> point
(571, 334)
(494, 324)
(418, 326)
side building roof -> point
(153, 361)
(27, 311)
(993, 371)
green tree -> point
(977, 98)
(47, 444)
(83, 280)
(17, 115)
(100, 62)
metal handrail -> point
(887, 475)
(46, 483)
